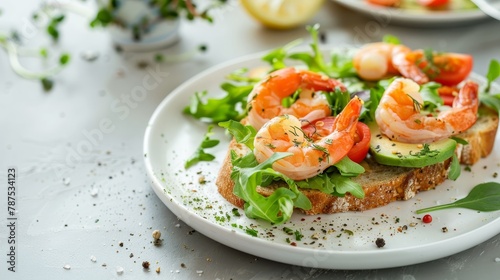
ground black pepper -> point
(380, 242)
(145, 264)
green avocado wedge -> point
(388, 152)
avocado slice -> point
(389, 152)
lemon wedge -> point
(282, 14)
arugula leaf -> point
(337, 100)
(342, 65)
(491, 100)
(349, 168)
(493, 73)
(319, 182)
(345, 185)
(483, 197)
(335, 183)
(220, 109)
(242, 133)
(391, 39)
(371, 105)
(278, 207)
(276, 58)
(430, 95)
(317, 54)
(454, 172)
(240, 75)
(460, 140)
(200, 154)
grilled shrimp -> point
(399, 118)
(377, 60)
(265, 100)
(284, 134)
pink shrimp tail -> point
(348, 118)
(467, 96)
(407, 67)
(320, 82)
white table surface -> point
(61, 223)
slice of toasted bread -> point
(382, 184)
(481, 137)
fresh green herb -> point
(64, 59)
(276, 208)
(202, 48)
(200, 154)
(345, 185)
(349, 232)
(486, 98)
(251, 231)
(490, 100)
(47, 84)
(371, 105)
(53, 27)
(103, 17)
(454, 172)
(483, 197)
(241, 75)
(288, 231)
(298, 235)
(220, 109)
(276, 58)
(425, 151)
(342, 66)
(391, 39)
(492, 74)
(321, 182)
(331, 182)
(430, 95)
(159, 57)
(430, 68)
(43, 52)
(289, 100)
(12, 48)
(315, 61)
(417, 106)
(320, 148)
(460, 140)
(349, 168)
(244, 134)
(337, 100)
(236, 212)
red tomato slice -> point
(433, 3)
(360, 149)
(322, 127)
(448, 69)
(447, 94)
(454, 68)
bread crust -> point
(481, 137)
(381, 184)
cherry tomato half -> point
(322, 127)
(448, 69)
(447, 94)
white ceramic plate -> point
(423, 18)
(171, 138)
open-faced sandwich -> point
(326, 145)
